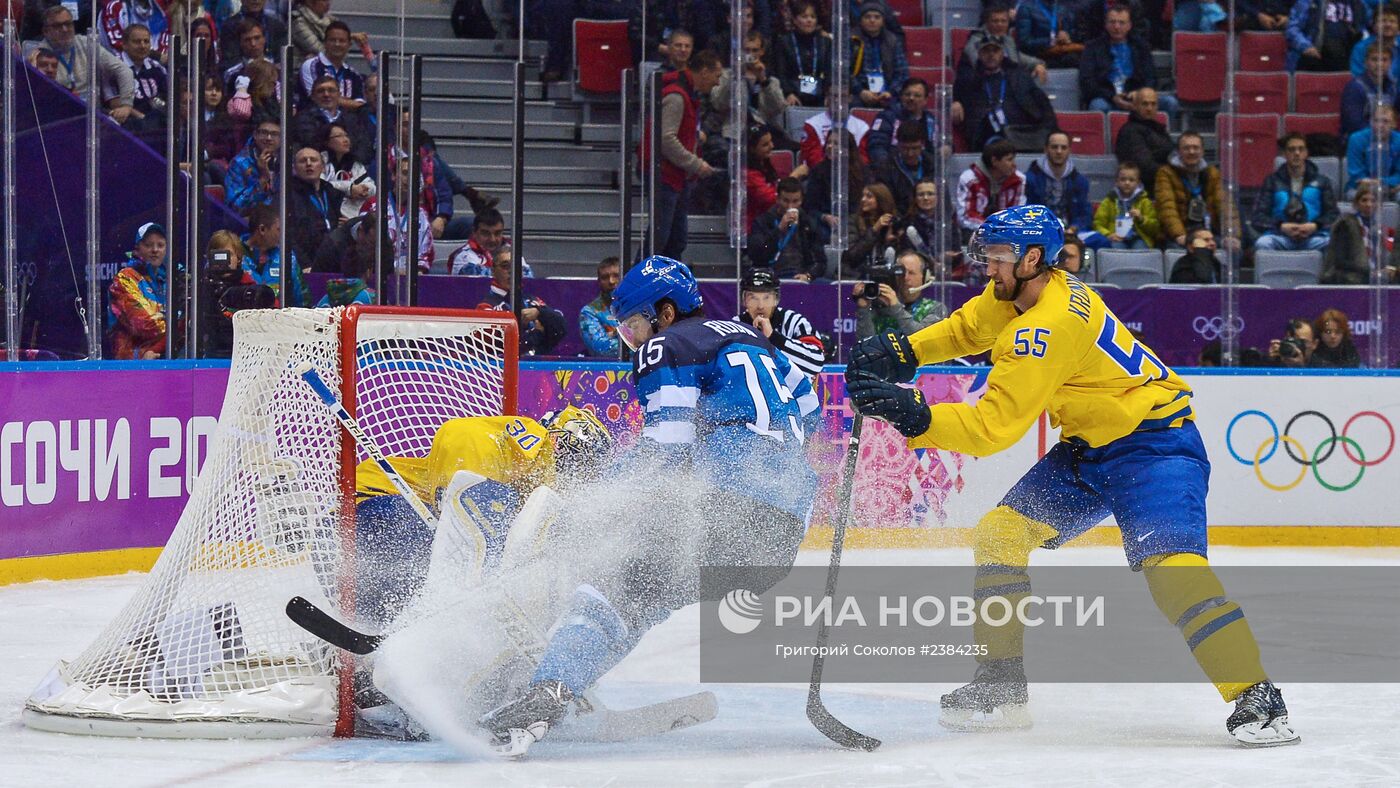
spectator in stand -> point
(597, 325)
(1198, 16)
(308, 30)
(263, 261)
(222, 136)
(1199, 266)
(1189, 192)
(310, 124)
(996, 26)
(1116, 65)
(1335, 349)
(680, 143)
(354, 236)
(447, 224)
(1346, 260)
(331, 62)
(1359, 96)
(353, 287)
(906, 311)
(233, 29)
(802, 60)
(992, 102)
(476, 257)
(931, 228)
(911, 109)
(1045, 29)
(679, 46)
(788, 330)
(910, 164)
(1053, 181)
(765, 101)
(252, 175)
(1389, 23)
(786, 239)
(116, 86)
(343, 171)
(1297, 205)
(760, 178)
(149, 77)
(1322, 33)
(1126, 218)
(1262, 14)
(817, 191)
(1072, 254)
(1144, 140)
(138, 297)
(118, 15)
(251, 48)
(255, 94)
(873, 233)
(45, 61)
(816, 134)
(313, 206)
(541, 325)
(994, 186)
(1359, 153)
(202, 28)
(878, 63)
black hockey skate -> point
(1260, 719)
(525, 720)
(995, 699)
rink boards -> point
(96, 461)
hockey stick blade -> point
(318, 622)
(617, 725)
(834, 729)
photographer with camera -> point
(1297, 346)
(1297, 204)
(891, 300)
(226, 288)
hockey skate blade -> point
(521, 739)
(1008, 717)
(1274, 733)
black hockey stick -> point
(829, 726)
(320, 623)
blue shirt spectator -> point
(1359, 96)
(251, 178)
(912, 108)
(1045, 28)
(1053, 181)
(596, 323)
(1322, 33)
(1359, 152)
(1390, 39)
(1297, 205)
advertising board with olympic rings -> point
(1284, 449)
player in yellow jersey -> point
(1129, 447)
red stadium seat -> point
(1262, 51)
(782, 162)
(910, 13)
(866, 114)
(1199, 66)
(923, 46)
(601, 53)
(959, 36)
(1313, 124)
(1256, 141)
(1260, 93)
(1117, 119)
(215, 192)
(934, 77)
(1085, 130)
(1319, 94)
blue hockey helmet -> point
(1020, 228)
(653, 279)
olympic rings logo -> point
(1298, 452)
(1213, 328)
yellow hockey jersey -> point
(1068, 354)
(513, 450)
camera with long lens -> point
(888, 274)
(1290, 347)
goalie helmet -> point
(581, 443)
(1020, 228)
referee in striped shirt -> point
(789, 331)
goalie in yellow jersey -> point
(509, 457)
(1128, 447)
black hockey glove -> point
(904, 408)
(887, 356)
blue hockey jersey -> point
(719, 398)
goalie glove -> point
(903, 408)
(887, 356)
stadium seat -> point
(1101, 172)
(1062, 87)
(1086, 132)
(1260, 93)
(1169, 258)
(959, 36)
(910, 13)
(1129, 268)
(1256, 138)
(866, 113)
(782, 161)
(923, 46)
(1199, 67)
(959, 162)
(601, 52)
(1390, 214)
(963, 13)
(934, 77)
(1116, 121)
(796, 118)
(215, 192)
(1331, 166)
(1313, 124)
(1287, 269)
(1319, 94)
(1262, 51)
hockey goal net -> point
(204, 648)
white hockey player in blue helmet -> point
(719, 478)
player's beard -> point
(1003, 291)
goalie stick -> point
(817, 712)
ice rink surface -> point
(1121, 735)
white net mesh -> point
(205, 642)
